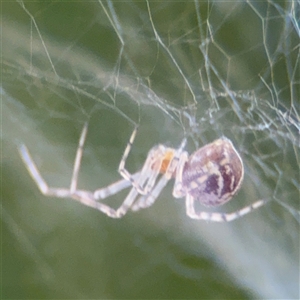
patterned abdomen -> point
(214, 173)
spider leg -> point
(35, 174)
(149, 176)
(78, 158)
(38, 179)
(143, 190)
(147, 200)
(88, 199)
(177, 190)
(32, 169)
(155, 155)
(114, 188)
(84, 197)
(219, 217)
(141, 177)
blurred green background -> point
(200, 69)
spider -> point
(212, 175)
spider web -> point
(199, 69)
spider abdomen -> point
(214, 173)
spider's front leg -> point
(148, 173)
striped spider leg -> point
(212, 176)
